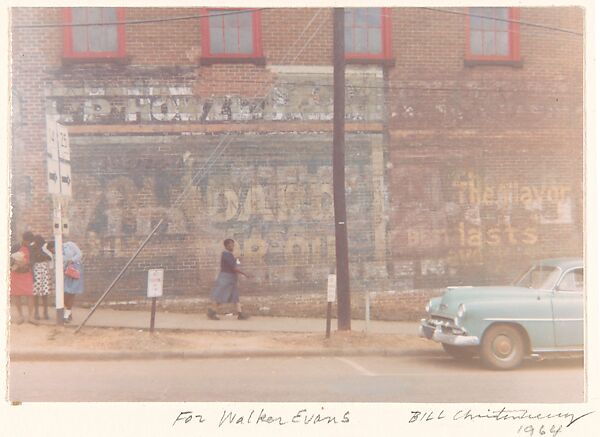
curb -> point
(178, 355)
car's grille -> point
(446, 324)
(444, 320)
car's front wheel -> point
(459, 352)
(502, 347)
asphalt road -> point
(434, 378)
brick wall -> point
(456, 173)
(486, 160)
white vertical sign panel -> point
(331, 287)
(155, 282)
(64, 148)
(51, 140)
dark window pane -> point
(231, 40)
(490, 37)
(95, 33)
(246, 40)
(231, 33)
(475, 21)
(103, 38)
(94, 38)
(476, 43)
(230, 21)
(502, 48)
(245, 20)
(374, 17)
(360, 17)
(79, 15)
(502, 13)
(375, 41)
(489, 45)
(360, 40)
(487, 24)
(348, 17)
(215, 20)
(348, 41)
(216, 35)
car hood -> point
(454, 296)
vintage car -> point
(541, 313)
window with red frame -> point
(94, 41)
(230, 33)
(367, 33)
(493, 38)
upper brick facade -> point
(456, 172)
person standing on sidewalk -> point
(226, 289)
(41, 259)
(73, 268)
(21, 277)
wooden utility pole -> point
(339, 176)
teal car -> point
(540, 314)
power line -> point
(192, 17)
(135, 22)
(506, 20)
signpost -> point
(155, 289)
(59, 186)
(331, 291)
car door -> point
(567, 307)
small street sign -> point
(331, 288)
(155, 289)
(155, 282)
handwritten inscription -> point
(260, 417)
(537, 423)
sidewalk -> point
(199, 322)
(123, 334)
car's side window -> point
(572, 281)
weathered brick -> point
(455, 173)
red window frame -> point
(513, 40)
(386, 38)
(69, 52)
(257, 51)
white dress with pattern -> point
(41, 283)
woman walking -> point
(226, 289)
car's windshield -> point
(543, 277)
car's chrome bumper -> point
(450, 335)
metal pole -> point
(152, 314)
(339, 177)
(59, 279)
(367, 310)
(110, 287)
(328, 325)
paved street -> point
(432, 378)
